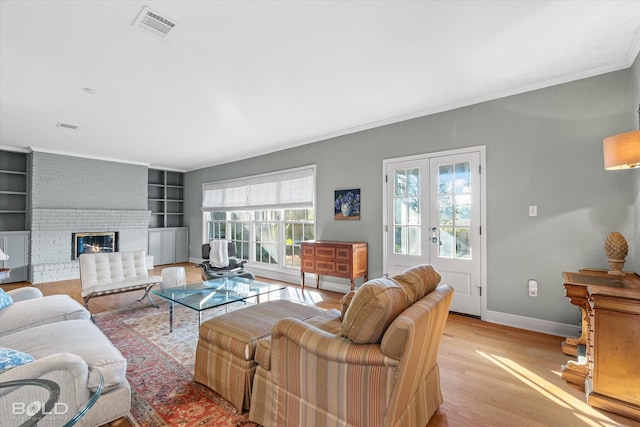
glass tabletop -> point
(215, 293)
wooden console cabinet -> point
(609, 372)
(348, 260)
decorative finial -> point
(616, 249)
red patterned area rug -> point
(160, 367)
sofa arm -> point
(24, 293)
(327, 346)
(67, 370)
(39, 368)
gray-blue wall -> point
(67, 182)
(543, 148)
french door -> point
(433, 215)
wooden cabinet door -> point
(616, 353)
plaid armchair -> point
(374, 365)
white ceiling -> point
(238, 79)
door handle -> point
(434, 238)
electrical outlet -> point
(533, 211)
(533, 287)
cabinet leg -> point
(575, 373)
(318, 281)
(570, 345)
(302, 280)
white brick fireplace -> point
(52, 230)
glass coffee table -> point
(214, 293)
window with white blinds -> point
(293, 188)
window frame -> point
(229, 225)
(285, 191)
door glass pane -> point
(414, 210)
(400, 183)
(399, 240)
(413, 182)
(462, 178)
(445, 179)
(463, 243)
(414, 240)
(400, 212)
(463, 210)
(446, 242)
(445, 209)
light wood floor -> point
(491, 375)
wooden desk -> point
(609, 371)
(348, 260)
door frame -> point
(481, 149)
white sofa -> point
(67, 349)
(111, 273)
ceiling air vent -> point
(155, 23)
(66, 126)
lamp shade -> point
(622, 151)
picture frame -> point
(346, 205)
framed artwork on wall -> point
(346, 205)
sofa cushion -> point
(372, 309)
(329, 321)
(344, 303)
(5, 300)
(34, 312)
(418, 281)
(79, 337)
(10, 358)
(367, 313)
(238, 332)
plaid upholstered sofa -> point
(373, 364)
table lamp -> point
(622, 151)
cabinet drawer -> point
(308, 265)
(343, 269)
(308, 251)
(326, 252)
(325, 267)
(343, 254)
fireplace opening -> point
(93, 243)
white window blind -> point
(293, 188)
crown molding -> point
(85, 156)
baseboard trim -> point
(532, 324)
